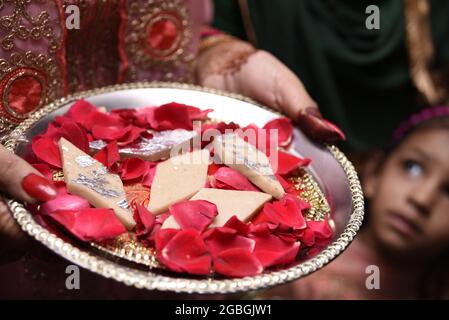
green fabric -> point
(359, 77)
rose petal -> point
(172, 116)
(45, 146)
(213, 167)
(237, 262)
(196, 113)
(262, 229)
(80, 111)
(148, 177)
(44, 169)
(109, 133)
(284, 129)
(218, 241)
(145, 220)
(321, 229)
(287, 163)
(307, 237)
(287, 185)
(131, 136)
(65, 202)
(287, 211)
(186, 252)
(108, 156)
(162, 237)
(271, 250)
(131, 116)
(46, 150)
(194, 214)
(232, 179)
(61, 187)
(92, 224)
(102, 119)
(133, 168)
(262, 139)
(241, 227)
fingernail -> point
(39, 187)
(336, 130)
(312, 124)
(314, 111)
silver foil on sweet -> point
(84, 161)
(100, 171)
(97, 184)
(97, 144)
(123, 204)
(163, 140)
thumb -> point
(20, 180)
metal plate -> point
(334, 174)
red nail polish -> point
(335, 129)
(312, 124)
(39, 187)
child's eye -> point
(413, 168)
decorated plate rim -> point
(150, 280)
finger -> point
(267, 80)
(20, 180)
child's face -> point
(409, 196)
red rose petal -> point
(108, 156)
(65, 202)
(287, 185)
(196, 113)
(80, 111)
(194, 214)
(307, 237)
(162, 237)
(130, 136)
(46, 149)
(102, 119)
(218, 241)
(213, 167)
(109, 133)
(287, 211)
(92, 224)
(45, 145)
(321, 229)
(287, 163)
(241, 227)
(186, 252)
(131, 116)
(145, 220)
(262, 229)
(172, 116)
(232, 179)
(271, 250)
(284, 127)
(133, 168)
(262, 139)
(148, 177)
(237, 263)
(44, 169)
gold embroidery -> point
(43, 68)
(140, 19)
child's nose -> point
(423, 196)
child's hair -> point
(435, 282)
(429, 118)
